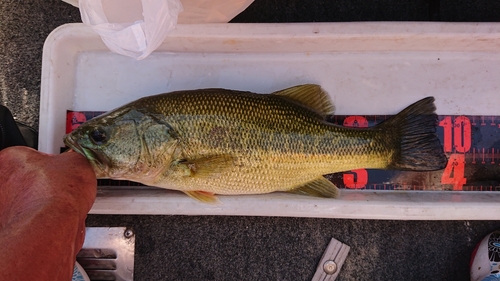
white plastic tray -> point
(368, 68)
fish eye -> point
(98, 136)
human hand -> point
(44, 200)
(31, 178)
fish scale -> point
(218, 141)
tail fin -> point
(412, 134)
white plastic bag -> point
(133, 28)
(211, 11)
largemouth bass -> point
(217, 141)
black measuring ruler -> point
(471, 143)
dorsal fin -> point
(310, 95)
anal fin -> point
(203, 196)
(320, 187)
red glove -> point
(44, 200)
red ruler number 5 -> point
(356, 178)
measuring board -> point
(471, 143)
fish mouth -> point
(99, 163)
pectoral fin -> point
(320, 187)
(205, 166)
(203, 196)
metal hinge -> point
(108, 253)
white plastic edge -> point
(352, 204)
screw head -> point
(330, 267)
(128, 233)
